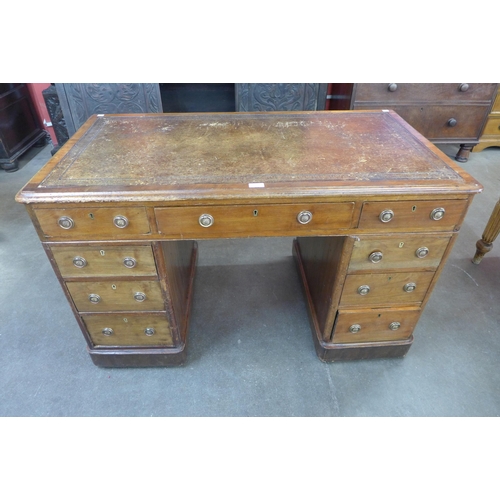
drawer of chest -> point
(91, 261)
(436, 215)
(425, 92)
(103, 296)
(374, 325)
(492, 126)
(93, 223)
(253, 220)
(369, 290)
(405, 251)
(129, 330)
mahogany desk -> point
(374, 206)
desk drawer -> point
(93, 223)
(86, 261)
(405, 251)
(425, 92)
(406, 215)
(492, 126)
(369, 290)
(130, 330)
(375, 325)
(103, 296)
(253, 220)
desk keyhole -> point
(255, 213)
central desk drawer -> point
(130, 330)
(253, 220)
(439, 215)
(369, 290)
(102, 296)
(86, 261)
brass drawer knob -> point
(363, 289)
(304, 217)
(410, 287)
(386, 215)
(451, 122)
(66, 222)
(140, 296)
(94, 298)
(394, 325)
(422, 252)
(79, 262)
(206, 220)
(463, 87)
(129, 262)
(149, 331)
(375, 257)
(355, 328)
(107, 331)
(437, 213)
(120, 221)
(392, 87)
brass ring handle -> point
(107, 331)
(79, 262)
(129, 262)
(149, 331)
(437, 213)
(410, 287)
(394, 325)
(375, 257)
(140, 296)
(422, 252)
(206, 220)
(363, 290)
(94, 298)
(355, 328)
(386, 215)
(66, 222)
(304, 217)
(120, 221)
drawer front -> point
(405, 215)
(369, 290)
(424, 92)
(496, 104)
(102, 296)
(253, 220)
(406, 251)
(93, 223)
(492, 126)
(375, 325)
(130, 330)
(86, 261)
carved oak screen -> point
(280, 96)
(81, 100)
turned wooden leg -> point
(463, 152)
(485, 244)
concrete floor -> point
(250, 348)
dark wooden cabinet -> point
(445, 113)
(20, 127)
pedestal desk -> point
(374, 208)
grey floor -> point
(250, 348)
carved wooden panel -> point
(280, 96)
(81, 100)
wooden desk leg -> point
(485, 244)
(463, 153)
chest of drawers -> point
(453, 113)
(374, 208)
(491, 132)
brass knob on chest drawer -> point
(107, 331)
(410, 287)
(394, 325)
(355, 328)
(463, 87)
(437, 213)
(94, 298)
(139, 296)
(79, 262)
(451, 122)
(129, 262)
(206, 220)
(386, 215)
(363, 289)
(392, 87)
(422, 252)
(375, 257)
(149, 331)
(120, 221)
(304, 217)
(66, 222)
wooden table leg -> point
(485, 244)
(464, 152)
